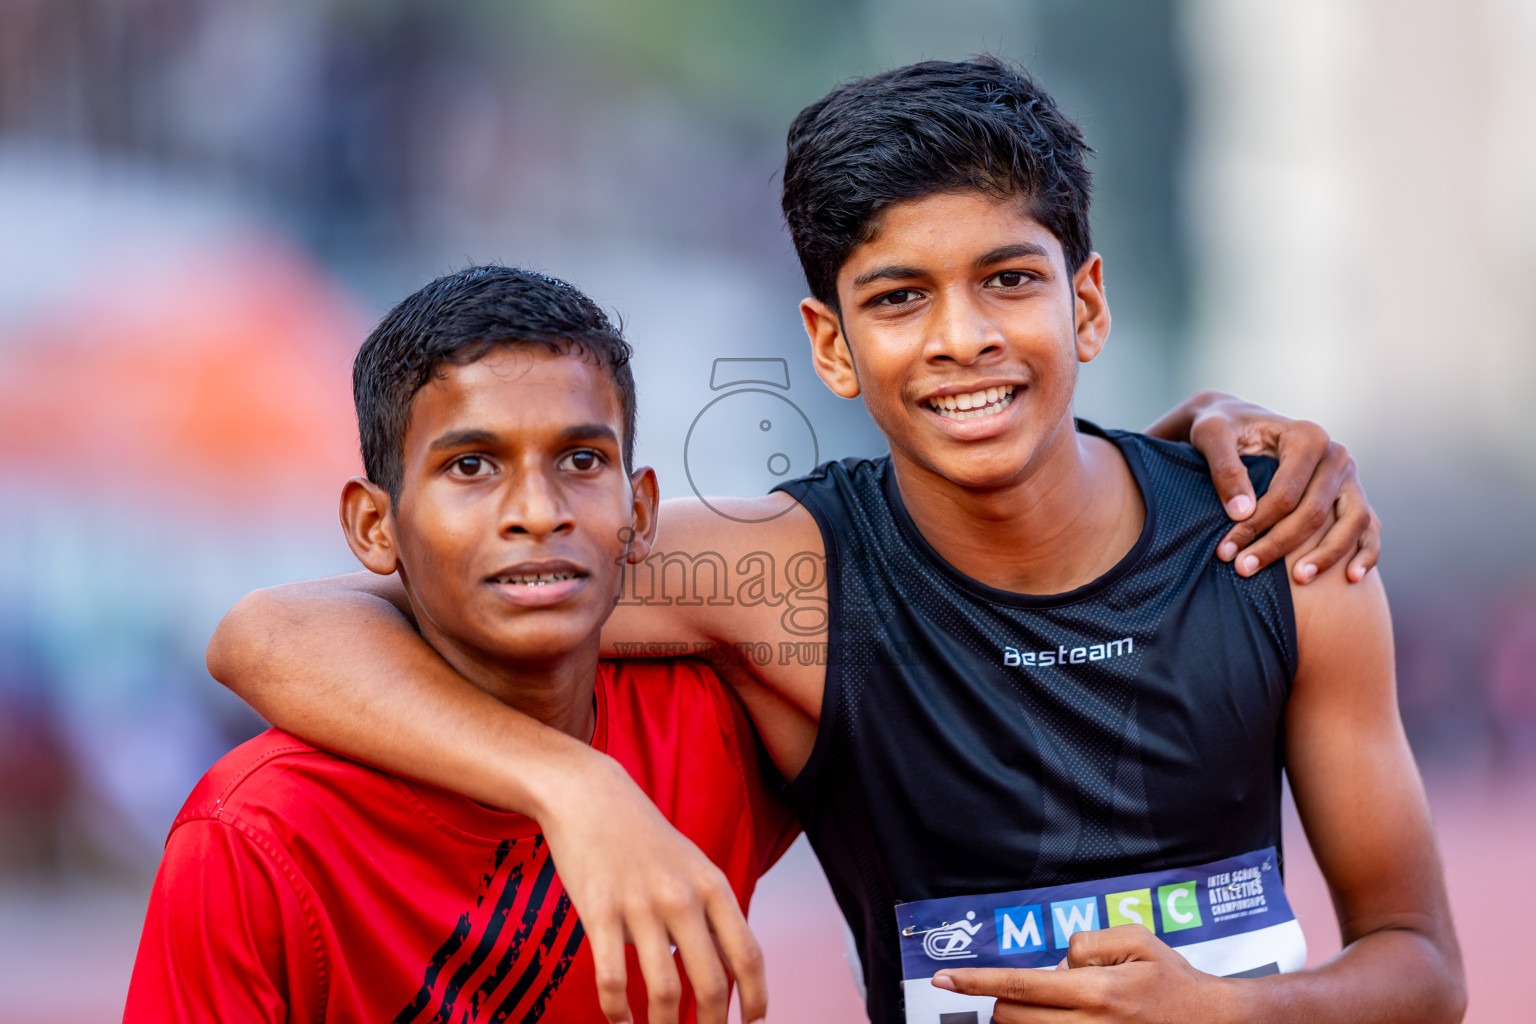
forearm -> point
(1391, 976)
(339, 666)
(1174, 425)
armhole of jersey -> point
(1280, 580)
(800, 791)
(1287, 622)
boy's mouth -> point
(535, 584)
(536, 579)
(973, 405)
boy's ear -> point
(829, 349)
(368, 528)
(1091, 312)
(642, 523)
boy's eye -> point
(900, 297)
(1010, 278)
(582, 461)
(472, 465)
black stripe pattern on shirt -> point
(482, 930)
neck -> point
(1067, 518)
(556, 692)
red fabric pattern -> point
(299, 886)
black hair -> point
(938, 126)
(458, 319)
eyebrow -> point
(460, 438)
(886, 274)
(1018, 250)
(579, 432)
(589, 432)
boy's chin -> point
(560, 635)
(981, 466)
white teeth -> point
(976, 404)
(536, 579)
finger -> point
(663, 987)
(1005, 1012)
(701, 961)
(1214, 438)
(1352, 520)
(1370, 551)
(1105, 947)
(1017, 984)
(1307, 503)
(606, 941)
(743, 956)
(1310, 469)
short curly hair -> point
(937, 126)
(458, 319)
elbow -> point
(1452, 989)
(240, 640)
(1454, 993)
(1444, 995)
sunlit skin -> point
(513, 472)
(956, 293)
(959, 292)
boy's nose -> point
(535, 506)
(961, 332)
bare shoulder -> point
(1343, 635)
(775, 523)
(732, 571)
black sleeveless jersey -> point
(974, 740)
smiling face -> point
(963, 329)
(515, 513)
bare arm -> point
(336, 662)
(1363, 806)
(1316, 482)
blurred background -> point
(1322, 205)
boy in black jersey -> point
(1036, 678)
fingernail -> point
(1306, 572)
(1239, 506)
(944, 981)
(1226, 550)
(1249, 565)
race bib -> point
(1229, 918)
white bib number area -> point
(1228, 918)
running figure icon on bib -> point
(951, 941)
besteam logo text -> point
(1064, 655)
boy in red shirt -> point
(496, 410)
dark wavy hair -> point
(938, 126)
(458, 319)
